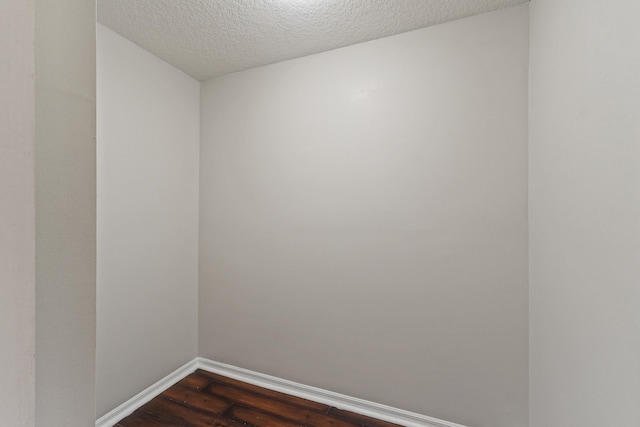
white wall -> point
(148, 144)
(364, 220)
(17, 215)
(65, 212)
(585, 213)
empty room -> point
(279, 213)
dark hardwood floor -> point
(205, 399)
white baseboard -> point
(128, 407)
(340, 401)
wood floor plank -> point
(141, 418)
(182, 414)
(203, 399)
(319, 407)
(193, 398)
(194, 382)
(301, 415)
(257, 418)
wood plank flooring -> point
(203, 399)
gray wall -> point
(65, 198)
(585, 213)
(148, 144)
(364, 220)
(17, 215)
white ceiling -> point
(207, 38)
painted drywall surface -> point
(585, 213)
(363, 222)
(65, 212)
(148, 144)
(17, 215)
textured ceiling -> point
(207, 38)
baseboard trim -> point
(128, 407)
(340, 401)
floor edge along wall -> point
(363, 407)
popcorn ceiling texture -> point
(208, 38)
